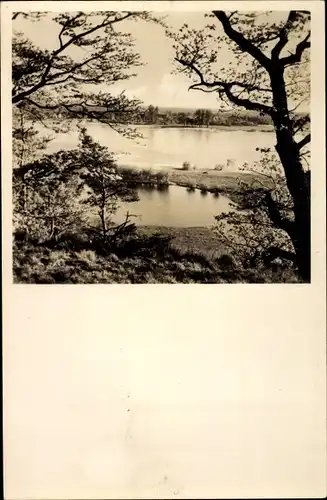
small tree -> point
(63, 186)
(46, 196)
(27, 145)
(105, 186)
(151, 114)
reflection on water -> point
(170, 147)
(174, 206)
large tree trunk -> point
(298, 181)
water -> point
(174, 206)
(170, 147)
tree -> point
(63, 186)
(249, 230)
(151, 114)
(203, 116)
(267, 73)
(46, 193)
(199, 116)
(181, 118)
(106, 186)
(90, 52)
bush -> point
(219, 167)
(203, 189)
(186, 165)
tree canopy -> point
(235, 57)
(267, 70)
(91, 53)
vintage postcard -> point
(144, 145)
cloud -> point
(136, 93)
(173, 91)
(171, 85)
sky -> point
(154, 84)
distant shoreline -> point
(234, 127)
(244, 128)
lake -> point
(174, 206)
(170, 147)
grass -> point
(152, 255)
(211, 181)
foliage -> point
(268, 73)
(186, 165)
(254, 231)
(203, 117)
(151, 114)
(250, 38)
(59, 191)
(157, 257)
(148, 177)
(105, 185)
(89, 52)
(27, 142)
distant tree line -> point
(170, 117)
(197, 118)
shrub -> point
(203, 189)
(186, 165)
(219, 167)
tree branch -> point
(240, 39)
(304, 141)
(247, 103)
(283, 36)
(296, 57)
(43, 81)
(226, 87)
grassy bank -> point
(206, 180)
(152, 255)
(213, 180)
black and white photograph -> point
(163, 143)
(161, 147)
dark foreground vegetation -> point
(149, 255)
